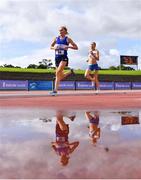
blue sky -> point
(27, 28)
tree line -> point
(43, 64)
(47, 63)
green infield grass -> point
(106, 72)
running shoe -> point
(53, 93)
(97, 91)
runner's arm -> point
(73, 45)
(53, 44)
(73, 146)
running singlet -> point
(92, 53)
(94, 120)
(61, 44)
(62, 149)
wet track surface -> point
(49, 143)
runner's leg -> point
(96, 79)
(59, 72)
(89, 77)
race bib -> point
(61, 139)
(59, 52)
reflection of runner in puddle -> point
(94, 129)
(62, 146)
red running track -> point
(72, 99)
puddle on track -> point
(45, 143)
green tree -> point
(113, 68)
(34, 66)
(8, 65)
(45, 64)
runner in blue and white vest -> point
(61, 44)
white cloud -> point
(114, 52)
(32, 19)
(32, 58)
(37, 21)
